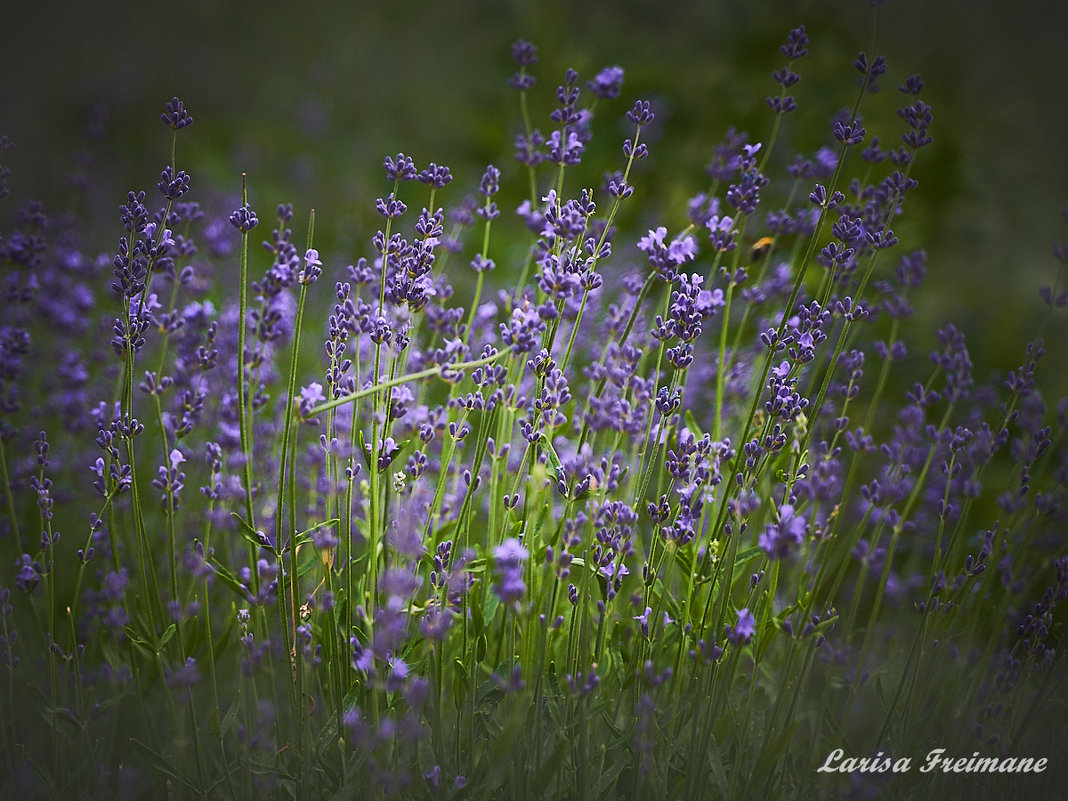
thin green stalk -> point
(212, 677)
(9, 497)
(481, 274)
(10, 725)
(888, 561)
(153, 601)
(721, 363)
(642, 480)
(50, 584)
(598, 249)
(525, 113)
(287, 459)
(404, 379)
(806, 261)
(242, 388)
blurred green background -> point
(309, 98)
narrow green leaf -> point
(229, 717)
(309, 560)
(166, 637)
(764, 640)
(256, 538)
(492, 602)
(549, 768)
(668, 598)
(715, 764)
(691, 423)
(609, 778)
(459, 683)
(305, 535)
(134, 638)
(743, 557)
(772, 755)
(724, 727)
(194, 633)
(222, 572)
(159, 762)
(478, 620)
(746, 554)
(881, 692)
(364, 450)
(440, 534)
(556, 467)
(476, 565)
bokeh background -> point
(308, 98)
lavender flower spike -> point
(781, 539)
(509, 557)
(176, 117)
(743, 632)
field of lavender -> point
(590, 495)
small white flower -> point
(176, 458)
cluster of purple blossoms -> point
(666, 258)
(742, 632)
(784, 537)
(508, 560)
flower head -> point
(176, 117)
(608, 83)
(642, 113)
(313, 267)
(744, 630)
(783, 537)
(402, 168)
(796, 44)
(509, 557)
(244, 219)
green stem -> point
(404, 379)
(242, 388)
(9, 497)
(289, 627)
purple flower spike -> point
(643, 621)
(850, 134)
(244, 219)
(875, 68)
(913, 85)
(310, 396)
(491, 181)
(28, 575)
(608, 83)
(313, 267)
(509, 557)
(796, 43)
(642, 113)
(400, 169)
(743, 632)
(434, 776)
(173, 186)
(176, 117)
(435, 176)
(781, 539)
(524, 53)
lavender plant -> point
(675, 512)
